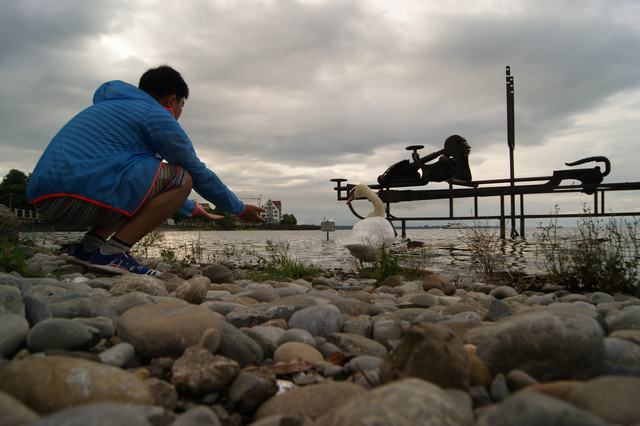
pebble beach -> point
(203, 345)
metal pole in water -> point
(511, 141)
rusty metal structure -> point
(452, 167)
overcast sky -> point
(287, 94)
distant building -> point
(272, 211)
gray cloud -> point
(288, 93)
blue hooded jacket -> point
(110, 154)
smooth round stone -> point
(69, 382)
(613, 398)
(289, 351)
(361, 325)
(430, 352)
(530, 408)
(438, 281)
(200, 415)
(289, 291)
(464, 318)
(627, 319)
(387, 329)
(403, 402)
(15, 412)
(263, 295)
(630, 335)
(363, 363)
(61, 333)
(267, 345)
(271, 333)
(194, 291)
(13, 332)
(424, 300)
(319, 320)
(410, 314)
(503, 291)
(128, 283)
(327, 349)
(548, 344)
(546, 299)
(122, 304)
(103, 324)
(311, 401)
(118, 355)
(223, 308)
(357, 345)
(167, 329)
(621, 357)
(426, 317)
(35, 309)
(218, 273)
(164, 393)
(104, 413)
(238, 346)
(198, 372)
(518, 379)
(601, 297)
(498, 310)
(79, 307)
(249, 390)
(297, 335)
(11, 300)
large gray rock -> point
(320, 320)
(546, 343)
(621, 357)
(250, 389)
(627, 319)
(69, 382)
(430, 352)
(79, 307)
(61, 333)
(129, 283)
(404, 402)
(35, 309)
(614, 398)
(218, 273)
(167, 329)
(198, 372)
(13, 332)
(107, 414)
(530, 408)
(311, 401)
(238, 346)
(11, 300)
(121, 304)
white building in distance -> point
(272, 211)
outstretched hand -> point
(203, 214)
(251, 213)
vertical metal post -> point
(602, 201)
(451, 201)
(522, 215)
(502, 224)
(475, 206)
(595, 203)
(404, 228)
(511, 142)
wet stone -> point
(61, 333)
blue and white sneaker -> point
(119, 263)
(77, 253)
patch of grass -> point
(280, 264)
(601, 255)
(11, 258)
(410, 265)
(486, 249)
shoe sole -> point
(112, 270)
(74, 260)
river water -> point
(444, 249)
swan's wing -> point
(375, 231)
(363, 252)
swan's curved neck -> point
(378, 205)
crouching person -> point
(124, 165)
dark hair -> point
(164, 81)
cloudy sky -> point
(287, 94)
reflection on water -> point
(444, 248)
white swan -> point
(372, 234)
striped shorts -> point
(71, 211)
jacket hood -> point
(119, 90)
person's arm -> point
(166, 137)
